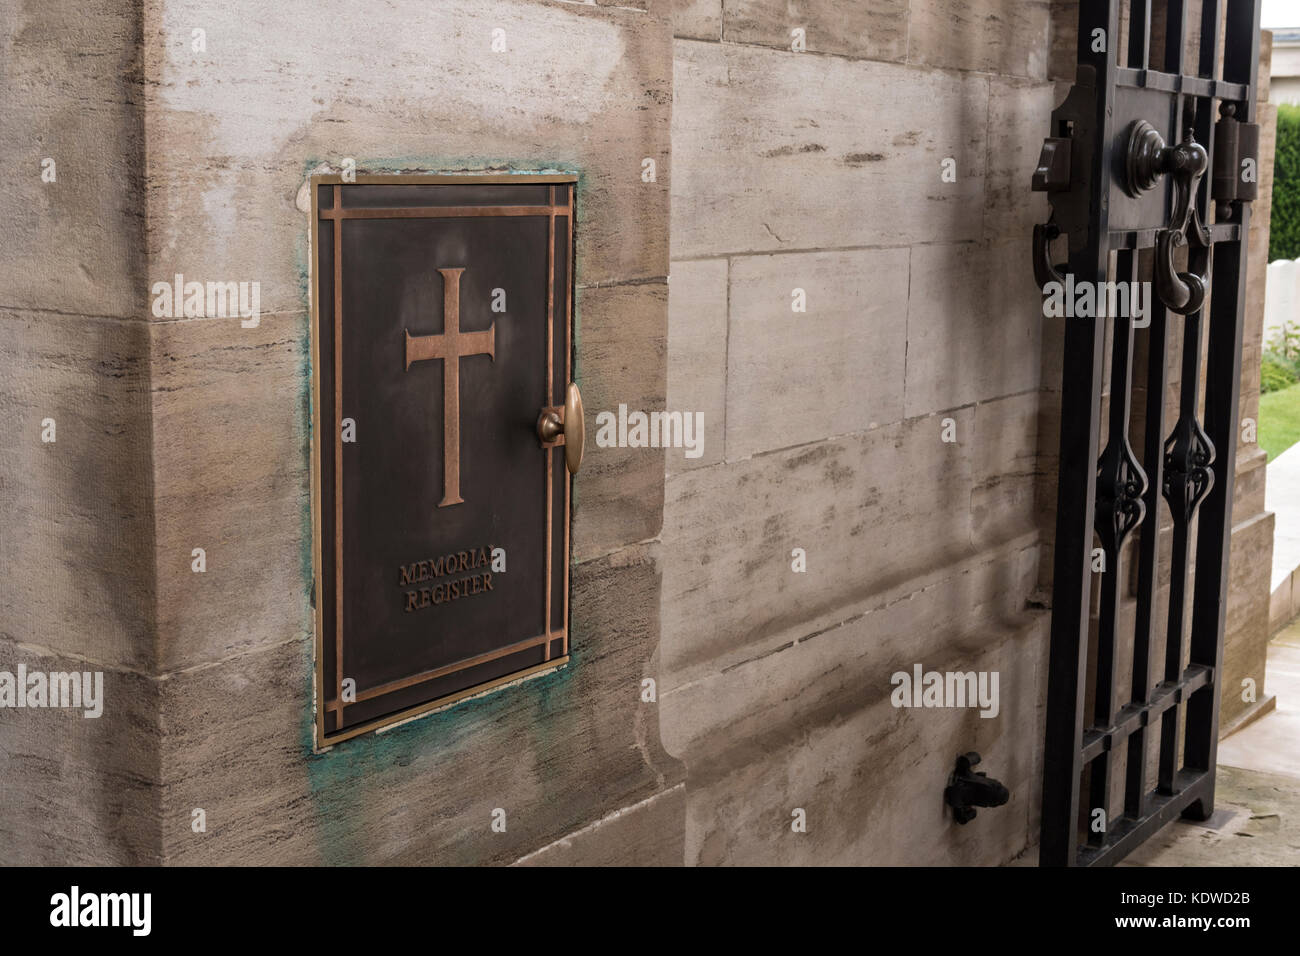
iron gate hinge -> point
(1236, 160)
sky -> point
(1277, 14)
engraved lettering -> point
(443, 592)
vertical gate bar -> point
(1135, 786)
(1139, 34)
(1222, 393)
(1175, 53)
(1208, 61)
(1181, 567)
(1075, 509)
(1067, 672)
(1180, 560)
(1106, 697)
(1175, 35)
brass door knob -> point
(564, 425)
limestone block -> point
(843, 660)
(578, 87)
(991, 36)
(1248, 489)
(1005, 471)
(231, 435)
(77, 790)
(1246, 631)
(836, 368)
(869, 776)
(974, 325)
(767, 157)
(697, 19)
(1282, 607)
(1063, 31)
(870, 511)
(649, 833)
(76, 550)
(1019, 118)
(876, 31)
(697, 354)
(1264, 74)
(70, 82)
(622, 359)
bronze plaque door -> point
(442, 343)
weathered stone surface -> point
(937, 612)
(697, 354)
(1004, 472)
(795, 377)
(1248, 491)
(622, 359)
(231, 432)
(697, 19)
(1245, 639)
(77, 790)
(828, 740)
(556, 753)
(1283, 605)
(870, 511)
(76, 550)
(1257, 252)
(766, 157)
(649, 833)
(579, 87)
(70, 82)
(1019, 117)
(1264, 75)
(991, 36)
(974, 324)
(876, 31)
(1063, 32)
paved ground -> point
(1257, 801)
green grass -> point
(1279, 420)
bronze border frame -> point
(549, 210)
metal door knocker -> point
(1146, 160)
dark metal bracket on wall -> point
(1141, 155)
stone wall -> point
(197, 436)
(814, 177)
(76, 524)
(823, 171)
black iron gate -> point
(1141, 153)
